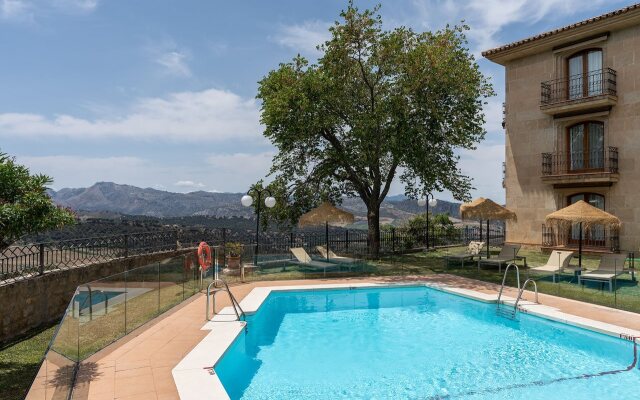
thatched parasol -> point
(326, 214)
(482, 208)
(583, 215)
(488, 209)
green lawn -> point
(19, 362)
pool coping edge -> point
(195, 374)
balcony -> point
(597, 239)
(590, 92)
(581, 169)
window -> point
(584, 74)
(586, 146)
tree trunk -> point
(373, 220)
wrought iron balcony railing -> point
(578, 87)
(596, 238)
(570, 163)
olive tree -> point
(25, 206)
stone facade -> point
(532, 130)
(41, 300)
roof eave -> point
(552, 39)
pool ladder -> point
(214, 289)
(501, 308)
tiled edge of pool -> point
(195, 378)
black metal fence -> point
(595, 238)
(23, 262)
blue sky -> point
(159, 93)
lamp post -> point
(425, 201)
(247, 201)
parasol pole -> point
(488, 240)
(580, 247)
(326, 236)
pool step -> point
(507, 312)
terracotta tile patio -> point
(139, 365)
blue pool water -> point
(97, 297)
(418, 343)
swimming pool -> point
(417, 343)
(97, 297)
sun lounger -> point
(557, 263)
(302, 258)
(611, 265)
(331, 256)
(472, 251)
(508, 253)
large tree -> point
(25, 206)
(378, 105)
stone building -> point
(572, 121)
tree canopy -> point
(377, 106)
(25, 206)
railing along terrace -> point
(596, 238)
(35, 259)
(275, 248)
(579, 87)
(567, 163)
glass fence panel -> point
(55, 376)
(191, 274)
(143, 295)
(171, 285)
(103, 312)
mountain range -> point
(107, 198)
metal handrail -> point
(524, 285)
(211, 296)
(504, 279)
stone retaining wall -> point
(41, 300)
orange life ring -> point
(204, 256)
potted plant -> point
(234, 253)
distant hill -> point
(132, 200)
(107, 200)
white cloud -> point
(231, 162)
(210, 115)
(487, 18)
(74, 171)
(86, 6)
(226, 172)
(493, 115)
(16, 10)
(174, 63)
(190, 184)
(304, 37)
(484, 165)
(27, 10)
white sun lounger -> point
(508, 253)
(611, 265)
(331, 256)
(558, 262)
(304, 259)
(473, 250)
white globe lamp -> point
(270, 202)
(246, 200)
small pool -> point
(418, 343)
(97, 297)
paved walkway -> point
(139, 365)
